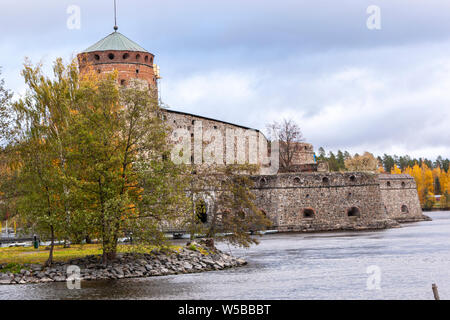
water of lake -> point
(406, 261)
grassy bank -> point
(21, 255)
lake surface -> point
(404, 262)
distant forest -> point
(336, 161)
(432, 177)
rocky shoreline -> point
(414, 219)
(193, 258)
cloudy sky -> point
(256, 61)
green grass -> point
(22, 255)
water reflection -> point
(296, 266)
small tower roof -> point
(115, 41)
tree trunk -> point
(109, 256)
(52, 245)
(109, 251)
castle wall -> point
(304, 154)
(181, 120)
(399, 194)
(322, 201)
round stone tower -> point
(117, 52)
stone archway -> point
(353, 212)
(309, 213)
(201, 211)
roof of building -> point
(206, 118)
(115, 41)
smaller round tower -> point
(117, 52)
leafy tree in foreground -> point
(223, 205)
(40, 154)
(120, 150)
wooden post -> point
(435, 291)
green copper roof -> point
(115, 41)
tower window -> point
(137, 70)
(122, 82)
(97, 57)
(146, 58)
(125, 56)
(325, 180)
(263, 181)
(138, 57)
(352, 178)
(111, 56)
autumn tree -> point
(223, 204)
(5, 102)
(366, 162)
(40, 153)
(121, 150)
(290, 136)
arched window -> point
(125, 56)
(111, 56)
(308, 213)
(403, 184)
(388, 183)
(405, 209)
(297, 180)
(138, 57)
(325, 180)
(123, 82)
(352, 178)
(97, 57)
(201, 212)
(353, 212)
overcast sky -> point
(255, 61)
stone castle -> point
(309, 199)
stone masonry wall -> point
(189, 122)
(399, 194)
(322, 201)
